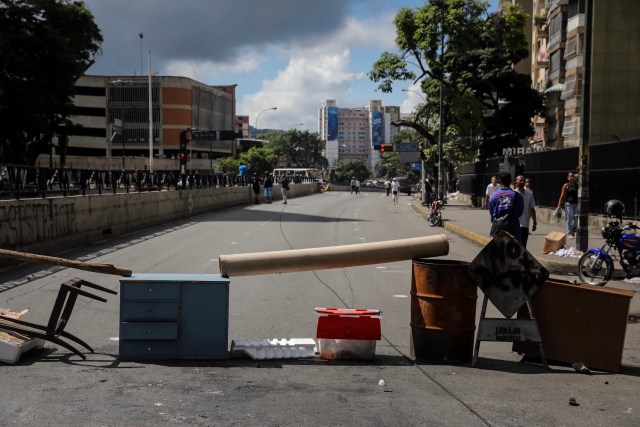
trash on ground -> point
(568, 251)
(258, 349)
(580, 367)
(13, 344)
(382, 382)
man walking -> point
(529, 210)
(395, 186)
(353, 184)
(505, 208)
(491, 188)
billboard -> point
(332, 123)
(377, 129)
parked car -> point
(407, 185)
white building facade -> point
(357, 133)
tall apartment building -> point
(356, 133)
(111, 116)
(558, 69)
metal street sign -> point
(507, 273)
(409, 157)
(406, 147)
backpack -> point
(504, 213)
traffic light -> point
(184, 140)
(382, 148)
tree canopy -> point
(458, 47)
(297, 149)
(45, 47)
(345, 169)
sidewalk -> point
(474, 224)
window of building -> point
(554, 62)
(573, 47)
(555, 26)
(571, 87)
(576, 7)
(569, 128)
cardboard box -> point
(579, 323)
(554, 241)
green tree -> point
(392, 166)
(299, 149)
(458, 47)
(259, 160)
(346, 168)
(45, 46)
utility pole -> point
(582, 238)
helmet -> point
(614, 208)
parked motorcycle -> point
(597, 264)
(435, 216)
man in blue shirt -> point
(506, 201)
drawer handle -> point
(148, 348)
(148, 331)
(150, 289)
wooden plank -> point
(80, 265)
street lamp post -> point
(258, 118)
(120, 84)
(423, 174)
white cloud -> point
(299, 89)
(315, 72)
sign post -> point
(508, 275)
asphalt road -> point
(54, 387)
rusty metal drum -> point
(443, 311)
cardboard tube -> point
(332, 256)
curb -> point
(553, 267)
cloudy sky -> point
(289, 54)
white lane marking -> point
(115, 338)
(361, 238)
(382, 267)
(356, 229)
(401, 296)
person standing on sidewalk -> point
(491, 188)
(395, 186)
(569, 200)
(284, 183)
(387, 186)
(529, 210)
(505, 202)
(255, 184)
(268, 188)
(353, 184)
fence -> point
(18, 182)
(614, 173)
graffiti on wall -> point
(23, 224)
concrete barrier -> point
(50, 225)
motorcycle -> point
(596, 265)
(435, 216)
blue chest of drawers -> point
(174, 316)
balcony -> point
(556, 4)
(575, 22)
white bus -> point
(297, 175)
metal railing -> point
(18, 182)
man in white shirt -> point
(395, 186)
(491, 188)
(529, 210)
